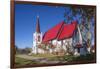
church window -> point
(38, 38)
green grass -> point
(21, 62)
(43, 55)
(69, 58)
(88, 57)
(50, 57)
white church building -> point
(61, 37)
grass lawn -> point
(88, 57)
(50, 57)
(21, 62)
(69, 58)
(44, 55)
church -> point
(62, 38)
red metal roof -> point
(60, 31)
(67, 31)
(53, 32)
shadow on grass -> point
(87, 57)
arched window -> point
(38, 38)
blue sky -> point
(25, 21)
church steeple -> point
(37, 37)
(37, 25)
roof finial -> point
(37, 16)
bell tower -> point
(37, 37)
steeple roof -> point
(37, 25)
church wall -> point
(54, 42)
(36, 43)
(41, 51)
(59, 44)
